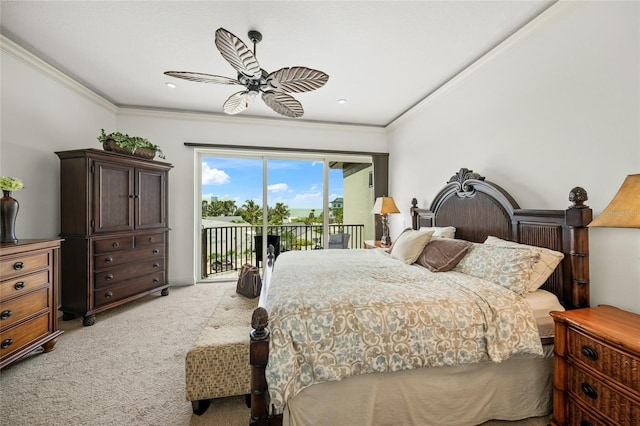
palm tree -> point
(251, 212)
(278, 213)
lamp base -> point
(385, 241)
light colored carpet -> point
(126, 370)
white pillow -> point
(542, 269)
(408, 246)
(509, 267)
(441, 231)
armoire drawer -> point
(14, 338)
(108, 277)
(149, 239)
(23, 284)
(128, 288)
(25, 264)
(112, 244)
(19, 308)
(107, 260)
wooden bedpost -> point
(258, 357)
(578, 216)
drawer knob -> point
(151, 239)
(115, 244)
(156, 251)
(108, 260)
(19, 285)
(590, 353)
(6, 343)
(18, 266)
(156, 265)
(156, 280)
(108, 277)
(108, 295)
(5, 314)
(589, 390)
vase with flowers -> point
(9, 209)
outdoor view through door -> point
(312, 204)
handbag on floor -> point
(249, 281)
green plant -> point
(132, 143)
(10, 184)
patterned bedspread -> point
(339, 313)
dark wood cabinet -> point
(28, 298)
(597, 367)
(115, 229)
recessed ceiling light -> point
(171, 85)
(342, 101)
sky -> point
(296, 183)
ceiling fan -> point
(274, 87)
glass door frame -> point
(265, 155)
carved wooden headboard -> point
(478, 208)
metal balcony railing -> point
(226, 249)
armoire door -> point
(150, 200)
(114, 193)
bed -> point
(427, 363)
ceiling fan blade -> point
(296, 79)
(202, 78)
(283, 104)
(237, 54)
(238, 102)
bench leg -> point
(247, 399)
(200, 406)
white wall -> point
(556, 106)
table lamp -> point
(384, 206)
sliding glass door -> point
(291, 202)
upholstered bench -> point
(217, 365)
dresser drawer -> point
(621, 367)
(595, 393)
(20, 265)
(19, 308)
(20, 285)
(108, 277)
(128, 288)
(112, 244)
(16, 337)
(150, 239)
(118, 258)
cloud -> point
(213, 176)
(278, 187)
(308, 196)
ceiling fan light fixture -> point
(274, 86)
(171, 85)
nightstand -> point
(371, 244)
(597, 367)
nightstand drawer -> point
(15, 338)
(604, 399)
(611, 362)
(579, 416)
(20, 285)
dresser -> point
(28, 297)
(597, 367)
(114, 222)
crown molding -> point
(513, 40)
(31, 60)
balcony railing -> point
(226, 249)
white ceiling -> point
(382, 56)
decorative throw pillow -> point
(542, 270)
(410, 244)
(441, 231)
(509, 267)
(442, 254)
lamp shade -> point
(384, 205)
(624, 210)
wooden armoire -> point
(114, 226)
